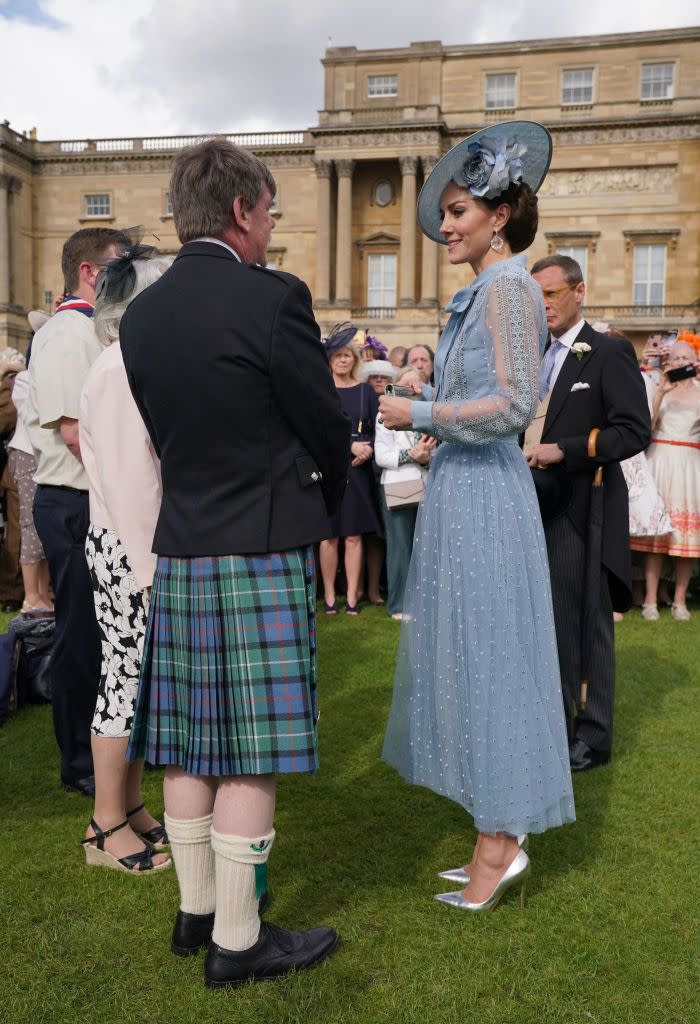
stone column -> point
(407, 275)
(324, 169)
(343, 252)
(429, 254)
(5, 185)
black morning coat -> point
(226, 364)
(615, 401)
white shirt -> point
(219, 241)
(565, 342)
(63, 350)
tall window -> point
(578, 253)
(657, 81)
(381, 280)
(382, 85)
(649, 275)
(99, 205)
(577, 86)
(500, 92)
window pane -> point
(577, 86)
(658, 253)
(578, 253)
(649, 274)
(381, 278)
(657, 81)
(382, 85)
(97, 205)
(500, 91)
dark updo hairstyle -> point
(521, 228)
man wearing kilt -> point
(226, 365)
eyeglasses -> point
(552, 294)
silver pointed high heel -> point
(460, 875)
(516, 873)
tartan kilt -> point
(228, 677)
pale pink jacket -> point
(122, 467)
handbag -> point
(404, 493)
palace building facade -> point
(622, 196)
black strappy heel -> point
(156, 836)
(135, 864)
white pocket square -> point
(580, 386)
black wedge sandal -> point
(135, 864)
(157, 837)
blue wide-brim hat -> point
(485, 164)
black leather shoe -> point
(191, 933)
(582, 758)
(276, 952)
(86, 786)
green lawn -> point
(609, 934)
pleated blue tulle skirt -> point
(477, 712)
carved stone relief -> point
(659, 180)
(638, 133)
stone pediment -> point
(379, 238)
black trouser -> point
(567, 566)
(61, 516)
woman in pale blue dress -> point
(477, 712)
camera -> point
(398, 391)
(682, 372)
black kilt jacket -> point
(615, 401)
(226, 364)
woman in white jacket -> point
(403, 455)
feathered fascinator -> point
(373, 344)
(117, 280)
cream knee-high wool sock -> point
(190, 843)
(237, 922)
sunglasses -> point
(552, 294)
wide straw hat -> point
(485, 164)
(37, 318)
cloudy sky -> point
(92, 68)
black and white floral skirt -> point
(122, 610)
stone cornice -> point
(351, 55)
(150, 163)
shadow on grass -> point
(383, 831)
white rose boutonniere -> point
(580, 348)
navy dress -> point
(359, 511)
(477, 713)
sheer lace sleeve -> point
(510, 323)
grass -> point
(609, 934)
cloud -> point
(144, 67)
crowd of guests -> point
(664, 481)
(376, 519)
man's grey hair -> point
(573, 274)
(206, 179)
(108, 315)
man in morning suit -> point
(225, 362)
(589, 382)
